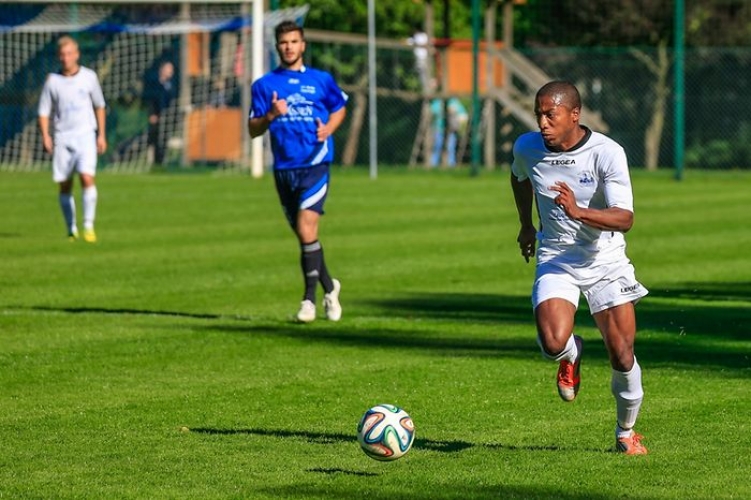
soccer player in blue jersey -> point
(301, 107)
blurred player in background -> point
(73, 99)
(301, 107)
(580, 183)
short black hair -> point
(567, 93)
(288, 27)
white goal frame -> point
(253, 151)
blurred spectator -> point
(218, 97)
(456, 124)
(438, 127)
(158, 96)
(419, 40)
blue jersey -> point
(310, 94)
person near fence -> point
(455, 124)
(420, 41)
(158, 96)
(301, 107)
(438, 126)
(579, 181)
(72, 121)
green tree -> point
(646, 27)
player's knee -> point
(550, 345)
(87, 180)
(622, 360)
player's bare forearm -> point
(608, 219)
(101, 136)
(44, 125)
(101, 122)
(44, 128)
(258, 126)
(335, 119)
(523, 197)
(326, 130)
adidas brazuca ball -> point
(385, 432)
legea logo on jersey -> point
(299, 107)
(586, 179)
(307, 89)
(563, 162)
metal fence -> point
(617, 85)
(628, 93)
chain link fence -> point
(635, 105)
(628, 93)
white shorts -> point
(607, 285)
(74, 153)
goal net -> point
(196, 116)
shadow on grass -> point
(139, 312)
(460, 306)
(727, 292)
(681, 332)
(403, 490)
(694, 333)
(706, 317)
(426, 341)
(331, 437)
(730, 321)
(454, 446)
(332, 471)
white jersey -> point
(70, 101)
(597, 172)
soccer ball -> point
(385, 432)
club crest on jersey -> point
(586, 179)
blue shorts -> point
(302, 189)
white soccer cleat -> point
(307, 312)
(331, 302)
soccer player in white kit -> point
(580, 183)
(72, 100)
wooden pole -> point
(489, 111)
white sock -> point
(628, 392)
(621, 433)
(569, 352)
(68, 206)
(89, 206)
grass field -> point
(181, 316)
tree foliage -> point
(393, 18)
(550, 22)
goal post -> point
(217, 48)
